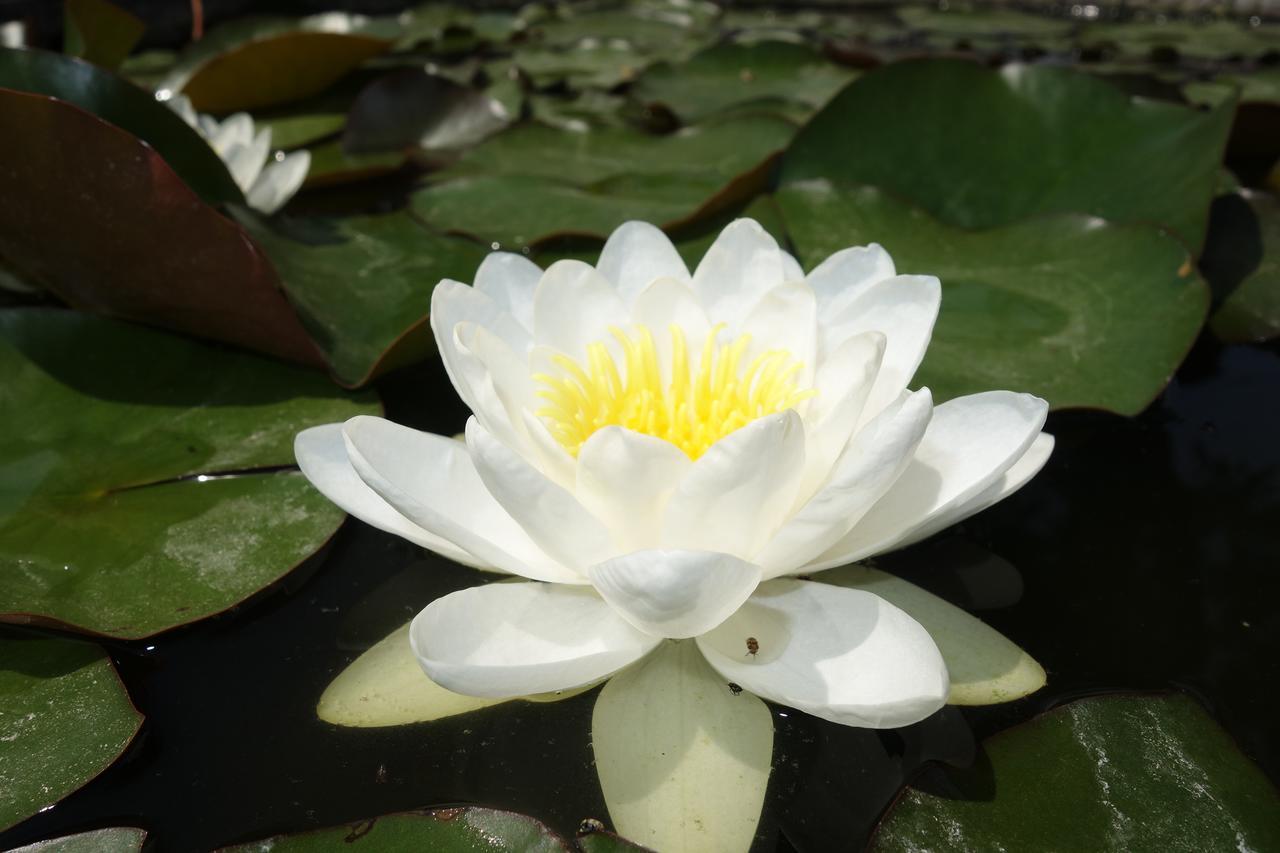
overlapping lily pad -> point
(979, 148)
(64, 717)
(148, 484)
(1112, 773)
(1251, 312)
(414, 109)
(120, 839)
(1077, 310)
(99, 31)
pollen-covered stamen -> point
(700, 404)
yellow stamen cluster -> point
(700, 405)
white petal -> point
(506, 640)
(551, 515)
(871, 463)
(843, 655)
(245, 161)
(575, 306)
(279, 182)
(235, 130)
(322, 455)
(971, 442)
(742, 265)
(668, 302)
(625, 478)
(636, 254)
(904, 308)
(1010, 481)
(510, 281)
(791, 269)
(683, 762)
(181, 105)
(984, 666)
(738, 492)
(843, 382)
(785, 318)
(431, 480)
(841, 278)
(675, 594)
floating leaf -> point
(100, 32)
(96, 216)
(415, 109)
(979, 148)
(363, 285)
(1190, 38)
(299, 129)
(1252, 311)
(123, 839)
(141, 474)
(730, 74)
(985, 666)
(1110, 773)
(116, 101)
(985, 23)
(64, 717)
(683, 760)
(1079, 311)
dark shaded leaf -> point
(99, 31)
(412, 108)
(1251, 312)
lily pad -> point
(124, 105)
(100, 32)
(1190, 38)
(683, 760)
(149, 484)
(414, 109)
(1112, 773)
(298, 129)
(121, 839)
(730, 74)
(1082, 312)
(98, 218)
(979, 148)
(1252, 311)
(64, 717)
(363, 285)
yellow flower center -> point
(700, 405)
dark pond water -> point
(1143, 557)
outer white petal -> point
(322, 455)
(636, 254)
(245, 161)
(970, 444)
(625, 478)
(791, 269)
(510, 281)
(904, 308)
(181, 105)
(1010, 481)
(786, 318)
(506, 640)
(843, 277)
(675, 594)
(738, 492)
(575, 306)
(235, 130)
(431, 480)
(742, 265)
(550, 514)
(870, 465)
(683, 761)
(843, 382)
(279, 182)
(843, 655)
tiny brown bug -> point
(734, 689)
(753, 646)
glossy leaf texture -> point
(96, 216)
(116, 839)
(1082, 312)
(119, 102)
(1108, 773)
(979, 148)
(1251, 312)
(145, 484)
(363, 285)
(65, 718)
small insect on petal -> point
(734, 688)
(753, 646)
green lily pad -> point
(979, 148)
(142, 485)
(290, 131)
(1077, 310)
(1192, 39)
(98, 218)
(64, 718)
(100, 32)
(414, 109)
(984, 23)
(331, 165)
(117, 839)
(1252, 311)
(1109, 774)
(730, 74)
(363, 285)
(124, 105)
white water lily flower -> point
(664, 456)
(267, 180)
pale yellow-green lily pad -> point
(385, 686)
(985, 666)
(683, 760)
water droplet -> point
(163, 94)
(495, 245)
